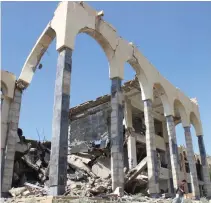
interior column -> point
(152, 163)
(131, 143)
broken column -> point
(206, 177)
(152, 164)
(191, 161)
(131, 142)
(59, 144)
(117, 164)
(11, 140)
(173, 150)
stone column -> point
(167, 157)
(4, 127)
(131, 143)
(11, 140)
(174, 156)
(117, 163)
(191, 161)
(152, 164)
(206, 177)
(59, 144)
(170, 180)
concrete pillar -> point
(4, 127)
(131, 143)
(206, 177)
(192, 164)
(11, 140)
(131, 147)
(167, 157)
(170, 180)
(59, 144)
(174, 156)
(117, 163)
(152, 164)
(184, 171)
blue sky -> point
(174, 36)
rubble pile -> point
(31, 171)
(88, 172)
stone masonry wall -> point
(91, 124)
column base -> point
(57, 190)
(154, 195)
(196, 198)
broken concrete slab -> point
(76, 163)
(133, 173)
(102, 168)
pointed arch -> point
(35, 56)
(179, 111)
(194, 120)
(164, 98)
(7, 83)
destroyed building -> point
(132, 129)
(90, 125)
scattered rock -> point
(17, 191)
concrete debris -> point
(28, 190)
(84, 178)
(17, 191)
(88, 174)
(133, 173)
(109, 198)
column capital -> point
(169, 118)
(187, 129)
(147, 100)
(64, 48)
(21, 84)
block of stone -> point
(17, 191)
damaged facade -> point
(90, 125)
(135, 125)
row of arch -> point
(71, 18)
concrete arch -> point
(146, 91)
(71, 18)
(4, 89)
(65, 28)
(35, 56)
(7, 84)
(179, 108)
(196, 124)
(164, 98)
